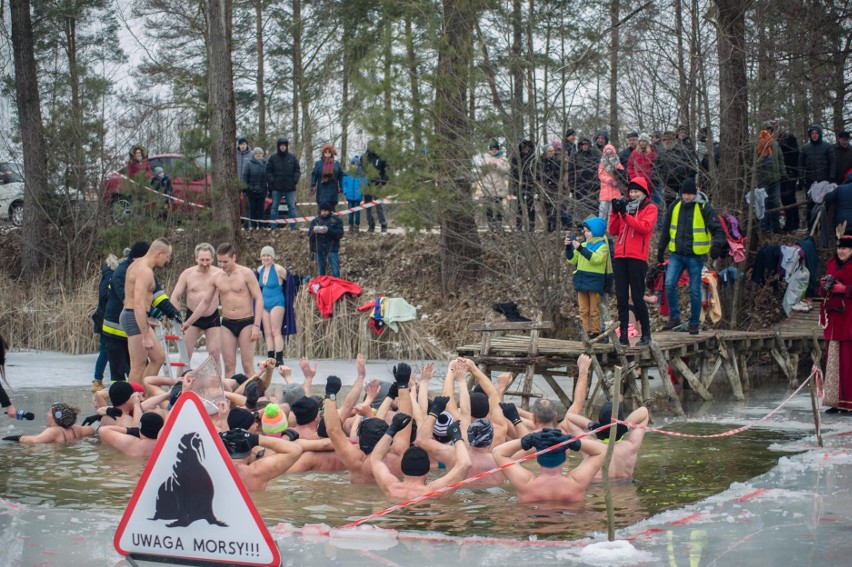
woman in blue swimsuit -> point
(272, 278)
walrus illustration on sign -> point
(187, 495)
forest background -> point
(427, 83)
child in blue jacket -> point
(353, 181)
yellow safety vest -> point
(700, 234)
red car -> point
(190, 184)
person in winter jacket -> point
(842, 157)
(255, 181)
(674, 164)
(841, 199)
(282, 175)
(790, 148)
(327, 177)
(591, 258)
(585, 180)
(495, 185)
(354, 186)
(641, 160)
(138, 163)
(161, 182)
(244, 155)
(324, 234)
(549, 170)
(632, 222)
(107, 270)
(601, 140)
(691, 231)
(769, 171)
(608, 169)
(816, 159)
(632, 143)
(523, 183)
(377, 173)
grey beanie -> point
(257, 150)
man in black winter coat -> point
(282, 175)
(325, 232)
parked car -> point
(190, 184)
(11, 194)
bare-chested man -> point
(237, 288)
(137, 441)
(627, 442)
(197, 282)
(415, 464)
(551, 484)
(146, 354)
(256, 467)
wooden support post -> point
(729, 361)
(708, 378)
(557, 389)
(646, 389)
(662, 367)
(743, 364)
(610, 511)
(693, 380)
(782, 357)
(529, 373)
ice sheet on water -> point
(617, 553)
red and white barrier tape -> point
(389, 200)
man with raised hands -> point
(628, 441)
(415, 463)
(551, 484)
(255, 467)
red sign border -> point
(185, 398)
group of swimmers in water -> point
(394, 435)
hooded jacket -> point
(243, 157)
(282, 169)
(683, 238)
(590, 258)
(607, 169)
(523, 170)
(634, 230)
(816, 159)
(135, 167)
(585, 171)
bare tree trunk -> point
(490, 78)
(460, 245)
(345, 104)
(295, 142)
(413, 77)
(261, 99)
(223, 128)
(32, 140)
(614, 16)
(682, 100)
(517, 71)
(387, 82)
(545, 98)
(733, 91)
(532, 97)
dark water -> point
(670, 472)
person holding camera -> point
(692, 229)
(836, 319)
(324, 234)
(591, 256)
(632, 222)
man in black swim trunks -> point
(242, 309)
(197, 283)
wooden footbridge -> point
(697, 359)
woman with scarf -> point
(836, 320)
(769, 171)
(327, 177)
(632, 222)
(607, 170)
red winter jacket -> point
(634, 231)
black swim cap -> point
(415, 462)
(150, 424)
(120, 392)
(239, 378)
(370, 433)
(305, 409)
(478, 405)
(605, 417)
(239, 418)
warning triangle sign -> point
(190, 502)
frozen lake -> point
(800, 511)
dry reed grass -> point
(347, 333)
(49, 317)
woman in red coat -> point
(632, 222)
(836, 318)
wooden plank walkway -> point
(696, 358)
